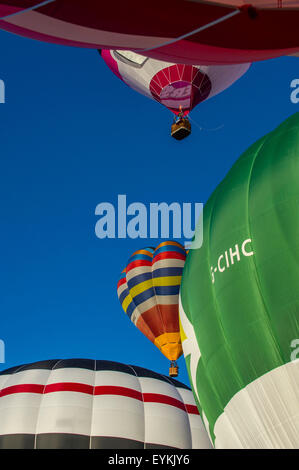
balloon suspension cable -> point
(34, 7)
(195, 31)
(203, 128)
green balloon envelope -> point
(239, 309)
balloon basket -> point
(181, 129)
(173, 371)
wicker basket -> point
(181, 129)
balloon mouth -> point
(170, 345)
(180, 87)
(183, 112)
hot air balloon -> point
(178, 87)
(240, 300)
(95, 404)
(179, 31)
(148, 291)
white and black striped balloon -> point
(84, 403)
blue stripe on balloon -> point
(140, 257)
(174, 248)
(122, 276)
(130, 309)
(167, 290)
(143, 296)
(165, 272)
(123, 295)
(139, 279)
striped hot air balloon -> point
(148, 291)
(95, 404)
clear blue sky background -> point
(72, 136)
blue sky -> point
(72, 136)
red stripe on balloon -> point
(116, 390)
(69, 387)
(121, 282)
(158, 398)
(22, 388)
(192, 410)
(169, 255)
(96, 391)
(136, 264)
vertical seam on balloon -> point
(151, 74)
(178, 71)
(161, 316)
(186, 411)
(133, 301)
(183, 71)
(192, 91)
(41, 398)
(258, 283)
(192, 94)
(139, 383)
(19, 369)
(131, 297)
(92, 404)
(202, 81)
(157, 305)
(163, 71)
(221, 327)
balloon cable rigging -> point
(204, 129)
(195, 31)
(34, 7)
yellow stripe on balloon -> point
(155, 282)
(167, 281)
(126, 302)
(143, 286)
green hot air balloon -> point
(239, 305)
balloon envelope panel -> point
(83, 403)
(271, 31)
(240, 299)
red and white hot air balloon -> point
(179, 87)
(180, 31)
(95, 404)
